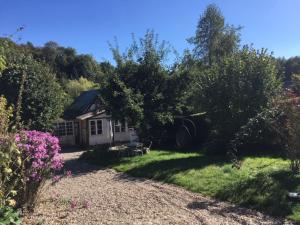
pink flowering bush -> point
(41, 154)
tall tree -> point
(214, 39)
(237, 90)
(42, 97)
(143, 89)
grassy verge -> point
(262, 183)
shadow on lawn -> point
(165, 169)
(266, 192)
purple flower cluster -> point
(42, 153)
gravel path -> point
(104, 196)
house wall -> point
(122, 136)
(84, 136)
(66, 139)
(83, 132)
(106, 136)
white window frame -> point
(96, 127)
(64, 124)
(117, 123)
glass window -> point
(119, 127)
(99, 126)
(123, 127)
(69, 128)
(93, 127)
(61, 129)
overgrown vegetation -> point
(143, 89)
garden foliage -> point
(41, 158)
(237, 90)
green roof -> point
(81, 104)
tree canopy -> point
(33, 84)
(214, 39)
(143, 89)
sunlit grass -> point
(261, 183)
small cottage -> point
(85, 122)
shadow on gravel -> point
(70, 149)
(79, 167)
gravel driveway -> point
(104, 196)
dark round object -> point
(183, 136)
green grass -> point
(262, 183)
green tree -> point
(296, 83)
(237, 90)
(143, 89)
(213, 39)
(42, 96)
(292, 66)
(74, 87)
(86, 66)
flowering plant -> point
(41, 160)
(42, 151)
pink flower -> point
(73, 203)
(42, 151)
(68, 173)
(56, 178)
(86, 204)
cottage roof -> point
(82, 104)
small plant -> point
(8, 216)
(10, 158)
(73, 203)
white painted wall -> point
(122, 136)
(103, 138)
(106, 136)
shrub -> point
(289, 128)
(10, 157)
(9, 217)
(5, 115)
(237, 90)
(42, 96)
(41, 159)
(296, 83)
(10, 167)
(278, 124)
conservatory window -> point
(119, 127)
(96, 127)
(64, 128)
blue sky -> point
(87, 25)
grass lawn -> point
(262, 183)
